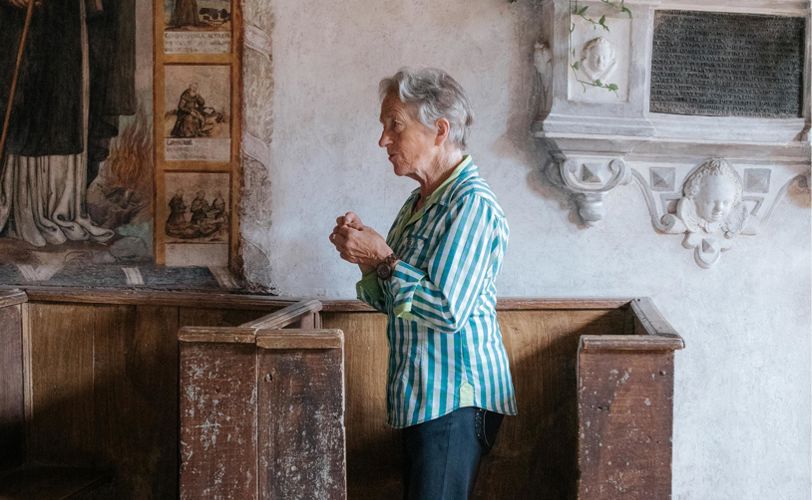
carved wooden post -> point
(625, 409)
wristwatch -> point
(386, 266)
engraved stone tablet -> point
(722, 64)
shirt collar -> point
(464, 166)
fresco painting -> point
(197, 26)
(101, 120)
(198, 207)
(77, 187)
(197, 117)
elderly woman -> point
(449, 382)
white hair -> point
(435, 95)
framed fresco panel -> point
(195, 218)
(197, 113)
(197, 26)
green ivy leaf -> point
(576, 65)
(612, 86)
(597, 83)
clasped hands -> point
(357, 243)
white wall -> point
(742, 404)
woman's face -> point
(410, 144)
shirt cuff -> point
(404, 282)
(368, 289)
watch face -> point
(384, 271)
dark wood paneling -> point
(104, 381)
(535, 453)
(63, 425)
(12, 401)
(374, 457)
(136, 376)
(41, 482)
(190, 316)
(105, 392)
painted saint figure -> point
(184, 14)
(177, 210)
(76, 79)
(218, 206)
(190, 120)
(200, 208)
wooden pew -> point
(102, 386)
(561, 351)
(20, 478)
(262, 408)
(625, 409)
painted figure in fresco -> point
(598, 58)
(204, 221)
(200, 208)
(184, 14)
(177, 210)
(194, 118)
(76, 79)
(218, 206)
(190, 120)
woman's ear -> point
(443, 129)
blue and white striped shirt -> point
(445, 346)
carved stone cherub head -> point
(712, 196)
(598, 58)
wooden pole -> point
(13, 90)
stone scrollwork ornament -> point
(710, 213)
(587, 180)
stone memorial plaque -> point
(722, 64)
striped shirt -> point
(445, 346)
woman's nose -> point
(384, 140)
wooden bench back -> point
(262, 409)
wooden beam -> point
(300, 339)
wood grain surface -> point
(625, 406)
(12, 398)
(301, 422)
(535, 453)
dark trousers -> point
(443, 455)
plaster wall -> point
(742, 403)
